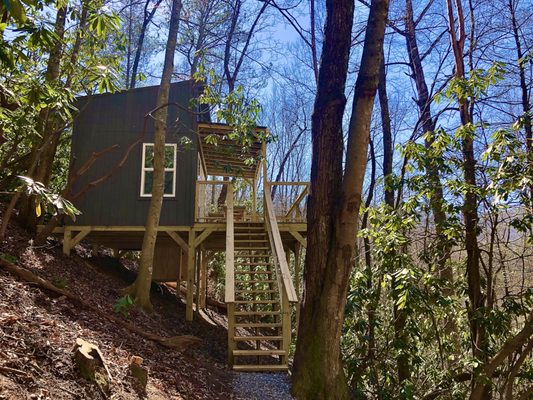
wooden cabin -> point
(215, 200)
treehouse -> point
(215, 200)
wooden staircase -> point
(256, 328)
(258, 292)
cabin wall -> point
(118, 119)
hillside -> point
(38, 330)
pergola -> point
(222, 156)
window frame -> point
(145, 169)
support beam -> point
(204, 235)
(254, 199)
(298, 236)
(203, 279)
(190, 277)
(67, 236)
(69, 242)
(177, 238)
(95, 250)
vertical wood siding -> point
(105, 120)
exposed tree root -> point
(179, 343)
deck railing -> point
(289, 200)
(286, 289)
(210, 201)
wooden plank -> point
(277, 245)
(299, 238)
(258, 324)
(190, 277)
(79, 237)
(177, 238)
(268, 352)
(230, 252)
(297, 202)
(67, 236)
(203, 280)
(122, 228)
(255, 338)
(288, 183)
(286, 326)
(204, 235)
(231, 333)
(261, 368)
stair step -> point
(253, 263)
(238, 248)
(262, 255)
(246, 240)
(253, 272)
(261, 368)
(256, 338)
(258, 324)
(260, 313)
(253, 282)
(256, 301)
(244, 291)
(240, 353)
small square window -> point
(147, 173)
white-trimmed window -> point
(147, 173)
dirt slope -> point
(38, 330)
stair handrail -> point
(277, 245)
(229, 296)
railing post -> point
(231, 333)
(286, 323)
(230, 273)
(191, 259)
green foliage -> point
(9, 258)
(234, 108)
(404, 276)
(26, 40)
(60, 282)
(53, 202)
(124, 305)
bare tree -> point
(140, 289)
(335, 199)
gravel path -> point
(261, 386)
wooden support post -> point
(254, 200)
(298, 236)
(197, 262)
(231, 333)
(95, 250)
(67, 236)
(69, 241)
(183, 266)
(190, 276)
(203, 280)
(286, 323)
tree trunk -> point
(436, 201)
(428, 125)
(141, 287)
(148, 16)
(400, 316)
(388, 150)
(46, 126)
(526, 106)
(476, 299)
(335, 199)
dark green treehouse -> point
(202, 212)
